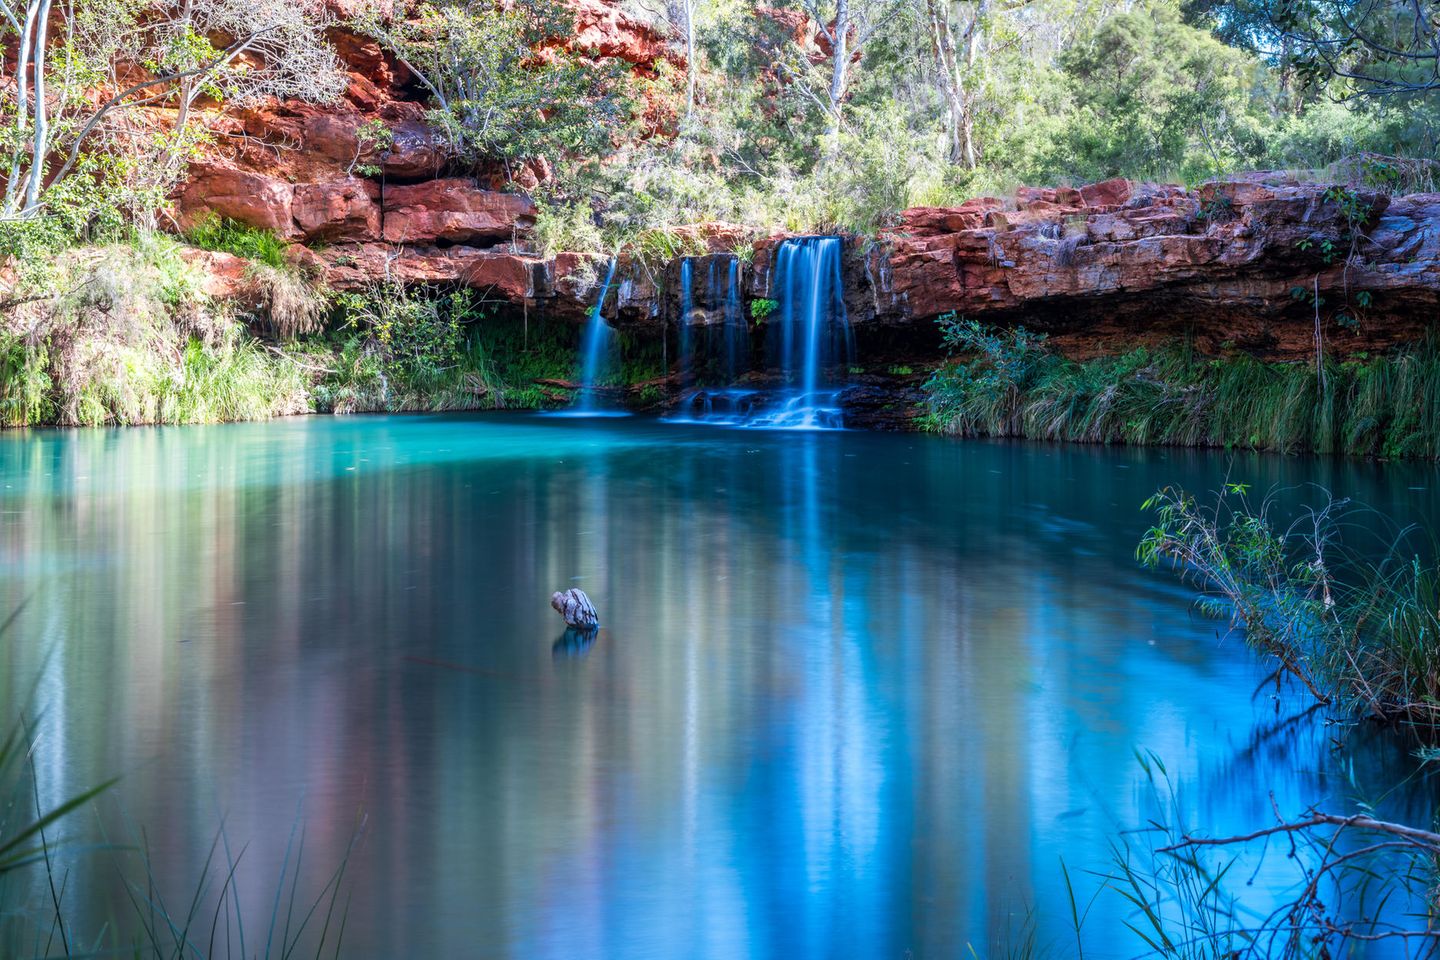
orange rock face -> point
(454, 211)
(1103, 264)
(607, 29)
(318, 174)
(250, 198)
(338, 210)
(1109, 264)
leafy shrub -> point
(491, 96)
(561, 227)
(1353, 632)
(25, 383)
(417, 336)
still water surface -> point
(856, 695)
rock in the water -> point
(576, 608)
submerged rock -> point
(576, 608)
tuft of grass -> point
(227, 236)
(128, 337)
(290, 305)
(1010, 384)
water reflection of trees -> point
(845, 703)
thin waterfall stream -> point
(595, 351)
(686, 362)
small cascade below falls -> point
(808, 338)
(596, 345)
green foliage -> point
(228, 236)
(1217, 207)
(370, 137)
(1353, 632)
(561, 227)
(25, 384)
(761, 308)
(1008, 383)
(1058, 92)
(416, 349)
(492, 97)
(131, 339)
(522, 355)
(95, 163)
(1155, 96)
(402, 346)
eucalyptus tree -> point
(502, 81)
(1374, 48)
(843, 29)
(108, 87)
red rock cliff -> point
(1098, 265)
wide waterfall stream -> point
(854, 695)
(808, 342)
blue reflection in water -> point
(855, 694)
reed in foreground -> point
(43, 852)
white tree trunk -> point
(840, 64)
(41, 140)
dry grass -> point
(289, 304)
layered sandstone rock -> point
(1098, 265)
(316, 174)
(454, 211)
(1236, 261)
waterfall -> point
(814, 332)
(595, 350)
(809, 292)
(707, 351)
(737, 335)
(808, 336)
(687, 305)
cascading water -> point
(687, 305)
(809, 335)
(737, 337)
(595, 350)
(814, 332)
